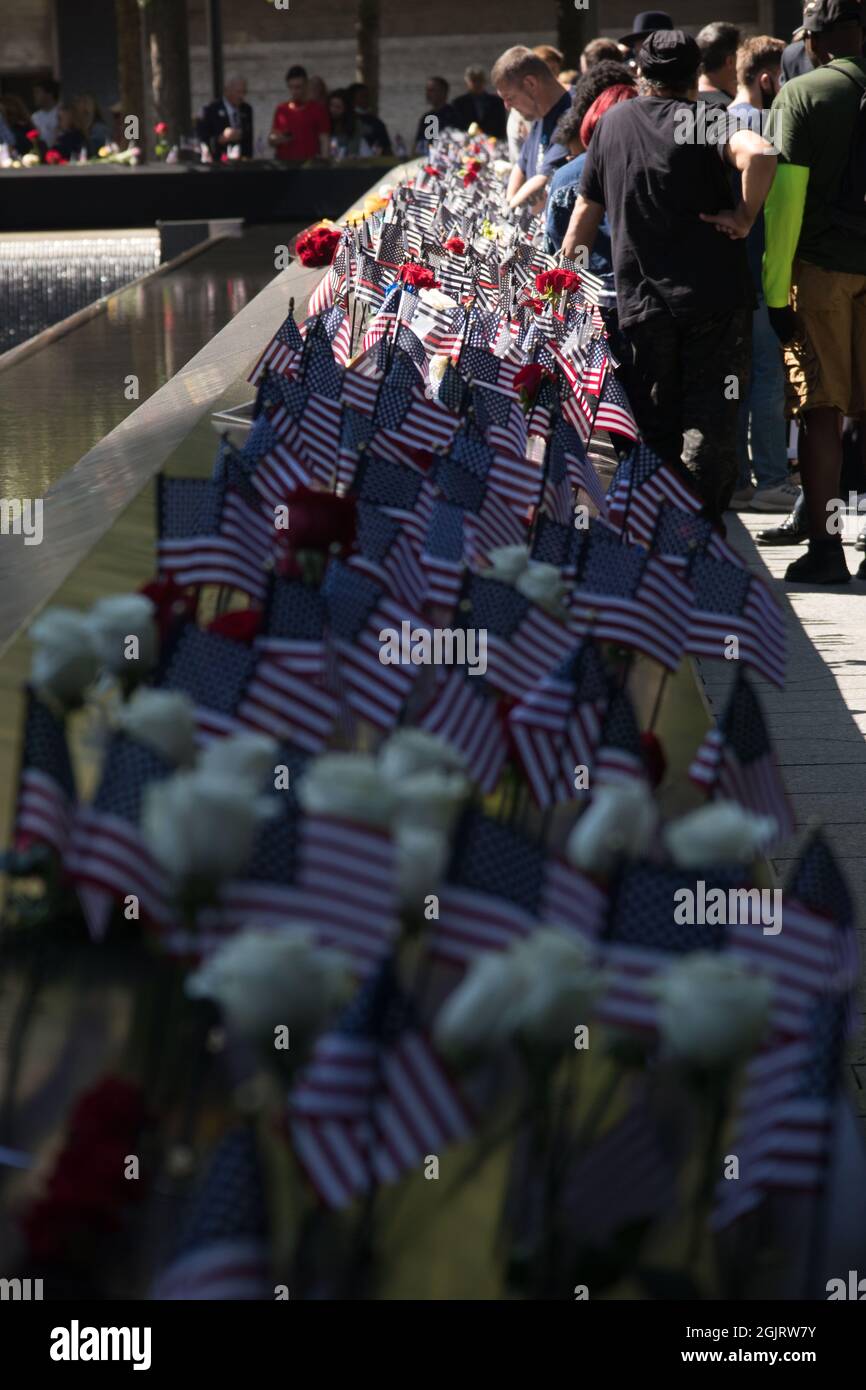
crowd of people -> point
(717, 186)
(65, 128)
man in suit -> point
(228, 121)
(479, 106)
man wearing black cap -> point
(684, 292)
(815, 264)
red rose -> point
(33, 136)
(455, 244)
(469, 177)
(318, 520)
(654, 757)
(172, 603)
(243, 625)
(420, 277)
(529, 378)
(536, 305)
(55, 157)
(160, 128)
(317, 246)
(432, 171)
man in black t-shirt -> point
(718, 42)
(684, 292)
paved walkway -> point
(818, 722)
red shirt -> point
(304, 124)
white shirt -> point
(47, 122)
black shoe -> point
(792, 530)
(860, 543)
(825, 564)
(861, 573)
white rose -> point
(162, 719)
(246, 757)
(262, 979)
(414, 750)
(28, 160)
(65, 659)
(712, 1010)
(200, 828)
(562, 985)
(474, 1019)
(347, 784)
(431, 799)
(544, 585)
(438, 367)
(422, 855)
(435, 299)
(720, 833)
(502, 168)
(620, 819)
(116, 618)
(508, 563)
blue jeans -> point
(762, 411)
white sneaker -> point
(775, 499)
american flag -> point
(500, 886)
(223, 1251)
(442, 554)
(371, 280)
(293, 627)
(400, 492)
(390, 247)
(106, 851)
(212, 671)
(623, 595)
(488, 520)
(383, 550)
(557, 724)
(515, 479)
(465, 713)
(355, 437)
(214, 530)
(480, 366)
(398, 304)
(359, 609)
(787, 1106)
(736, 761)
(46, 782)
(503, 423)
(641, 487)
(440, 330)
(338, 328)
(567, 445)
(614, 412)
(374, 1098)
(522, 639)
(641, 936)
(281, 352)
(680, 536)
(405, 421)
(730, 602)
(619, 757)
(288, 706)
(276, 470)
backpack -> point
(849, 210)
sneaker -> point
(860, 543)
(741, 500)
(775, 499)
(820, 565)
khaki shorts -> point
(827, 363)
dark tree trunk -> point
(367, 57)
(167, 48)
(574, 30)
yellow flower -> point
(104, 151)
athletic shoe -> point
(741, 500)
(775, 499)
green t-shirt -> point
(812, 124)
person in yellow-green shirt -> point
(814, 269)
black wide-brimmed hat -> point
(646, 23)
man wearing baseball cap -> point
(684, 292)
(815, 265)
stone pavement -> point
(818, 722)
